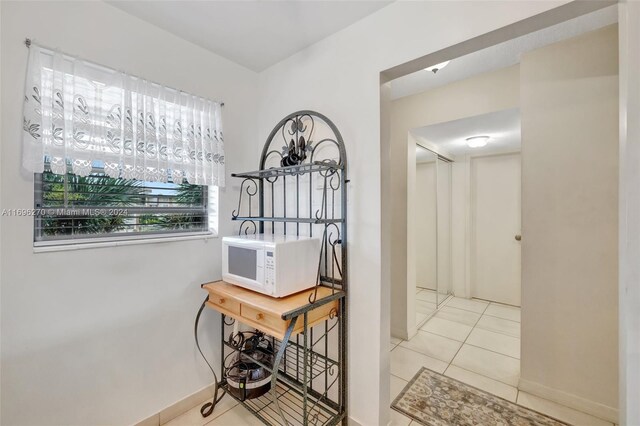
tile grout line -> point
(498, 332)
(221, 414)
(473, 327)
(465, 340)
(398, 377)
(485, 309)
(506, 319)
(490, 350)
(486, 377)
(491, 302)
(429, 356)
(200, 404)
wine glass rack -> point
(300, 188)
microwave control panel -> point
(269, 270)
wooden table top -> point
(275, 306)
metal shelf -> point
(301, 169)
(288, 219)
(322, 365)
(292, 404)
(304, 379)
(310, 383)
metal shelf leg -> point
(276, 366)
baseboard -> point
(178, 408)
(596, 409)
(400, 334)
(404, 334)
(353, 422)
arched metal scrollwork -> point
(248, 187)
(247, 227)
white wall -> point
(105, 336)
(460, 227)
(629, 214)
(569, 110)
(340, 77)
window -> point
(71, 208)
(116, 156)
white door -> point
(495, 204)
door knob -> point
(518, 237)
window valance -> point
(84, 115)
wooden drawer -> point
(267, 313)
(226, 303)
(262, 319)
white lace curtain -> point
(82, 115)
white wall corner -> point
(353, 422)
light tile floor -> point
(478, 343)
(227, 413)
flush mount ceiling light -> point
(437, 67)
(477, 141)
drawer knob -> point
(260, 317)
(221, 300)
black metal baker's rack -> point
(301, 189)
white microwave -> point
(276, 265)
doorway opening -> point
(457, 291)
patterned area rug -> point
(433, 399)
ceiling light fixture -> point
(477, 141)
(437, 67)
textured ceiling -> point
(255, 34)
(501, 55)
(503, 128)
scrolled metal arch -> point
(336, 133)
(294, 126)
(332, 314)
(292, 119)
(314, 357)
(336, 239)
(251, 189)
(332, 371)
(274, 151)
(323, 396)
(270, 153)
(327, 160)
(246, 230)
(337, 184)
